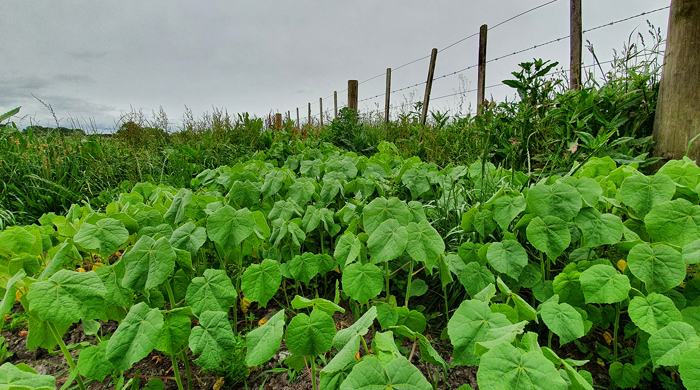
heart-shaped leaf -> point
(228, 227)
(507, 367)
(549, 234)
(67, 297)
(148, 263)
(260, 282)
(598, 229)
(660, 267)
(387, 241)
(668, 344)
(558, 200)
(104, 237)
(601, 283)
(653, 312)
(213, 339)
(136, 336)
(508, 257)
(362, 281)
(676, 222)
(370, 374)
(263, 343)
(310, 335)
(563, 320)
(426, 243)
(641, 192)
(213, 291)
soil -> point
(269, 376)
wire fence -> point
(497, 58)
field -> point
(535, 246)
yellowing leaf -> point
(608, 337)
(219, 383)
(621, 265)
(357, 355)
(337, 270)
(262, 321)
(245, 305)
(81, 269)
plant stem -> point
(238, 288)
(176, 371)
(365, 344)
(549, 340)
(66, 353)
(542, 269)
(617, 325)
(386, 272)
(187, 369)
(171, 296)
(408, 285)
(313, 373)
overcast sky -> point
(95, 60)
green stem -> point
(549, 340)
(542, 268)
(171, 296)
(322, 250)
(238, 288)
(187, 370)
(66, 353)
(313, 373)
(386, 272)
(447, 309)
(176, 371)
(408, 285)
(617, 325)
(365, 344)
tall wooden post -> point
(278, 121)
(677, 119)
(352, 94)
(428, 86)
(298, 121)
(320, 109)
(309, 115)
(481, 74)
(335, 103)
(576, 37)
(388, 95)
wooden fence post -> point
(352, 94)
(388, 94)
(278, 121)
(309, 117)
(575, 44)
(481, 74)
(320, 109)
(428, 85)
(335, 103)
(298, 121)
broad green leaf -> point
(18, 240)
(598, 229)
(67, 297)
(426, 243)
(386, 315)
(684, 172)
(603, 284)
(416, 180)
(475, 277)
(111, 276)
(398, 374)
(412, 319)
(675, 222)
(12, 378)
(40, 335)
(301, 192)
(148, 263)
(285, 209)
(228, 227)
(530, 276)
(263, 343)
(273, 183)
(104, 237)
(346, 355)
(245, 193)
(508, 257)
(380, 210)
(310, 335)
(189, 237)
(324, 305)
(8, 299)
(387, 241)
(660, 267)
(260, 282)
(588, 188)
(505, 367)
(469, 324)
(213, 339)
(624, 375)
(525, 311)
(642, 192)
(347, 249)
(429, 354)
(668, 344)
(506, 208)
(213, 291)
(359, 328)
(176, 212)
(93, 362)
(691, 253)
(65, 255)
(136, 336)
(362, 281)
(558, 200)
(689, 368)
(691, 315)
(653, 312)
(549, 234)
(563, 320)
(304, 267)
(176, 330)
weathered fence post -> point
(320, 109)
(428, 86)
(278, 121)
(481, 74)
(335, 103)
(576, 36)
(352, 94)
(298, 121)
(310, 116)
(388, 95)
